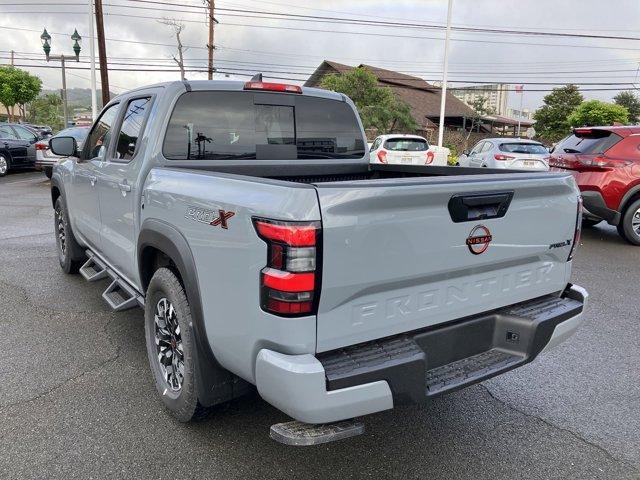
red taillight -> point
(578, 230)
(42, 146)
(499, 156)
(604, 162)
(429, 157)
(290, 280)
(272, 87)
(382, 156)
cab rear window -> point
(588, 142)
(406, 145)
(242, 125)
(530, 148)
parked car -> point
(45, 158)
(403, 149)
(43, 131)
(605, 162)
(246, 220)
(509, 153)
(17, 147)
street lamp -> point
(46, 46)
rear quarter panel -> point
(228, 261)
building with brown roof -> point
(423, 98)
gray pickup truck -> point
(265, 250)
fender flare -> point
(214, 383)
(628, 196)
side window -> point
(24, 134)
(477, 148)
(376, 143)
(7, 132)
(98, 139)
(131, 127)
(487, 146)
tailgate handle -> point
(479, 206)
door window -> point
(24, 134)
(7, 132)
(477, 148)
(376, 143)
(131, 128)
(98, 139)
(487, 146)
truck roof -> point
(230, 85)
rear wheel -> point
(48, 171)
(4, 165)
(170, 344)
(629, 226)
(70, 254)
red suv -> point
(605, 162)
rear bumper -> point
(413, 367)
(44, 163)
(594, 204)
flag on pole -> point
(519, 88)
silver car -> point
(45, 158)
(510, 153)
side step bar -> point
(119, 294)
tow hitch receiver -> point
(304, 434)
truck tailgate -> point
(394, 259)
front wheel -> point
(70, 253)
(629, 226)
(171, 344)
(4, 165)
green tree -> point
(595, 112)
(47, 110)
(630, 102)
(552, 118)
(378, 106)
(480, 109)
(17, 87)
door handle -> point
(92, 180)
(124, 187)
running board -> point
(121, 297)
(93, 269)
(305, 434)
(119, 294)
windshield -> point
(532, 148)
(406, 145)
(594, 142)
(79, 133)
(248, 125)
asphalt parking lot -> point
(77, 401)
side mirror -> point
(64, 146)
(466, 152)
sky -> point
(246, 44)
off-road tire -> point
(182, 404)
(626, 227)
(70, 254)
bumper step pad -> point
(467, 370)
(304, 434)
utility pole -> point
(12, 53)
(92, 53)
(212, 22)
(64, 93)
(102, 54)
(443, 91)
